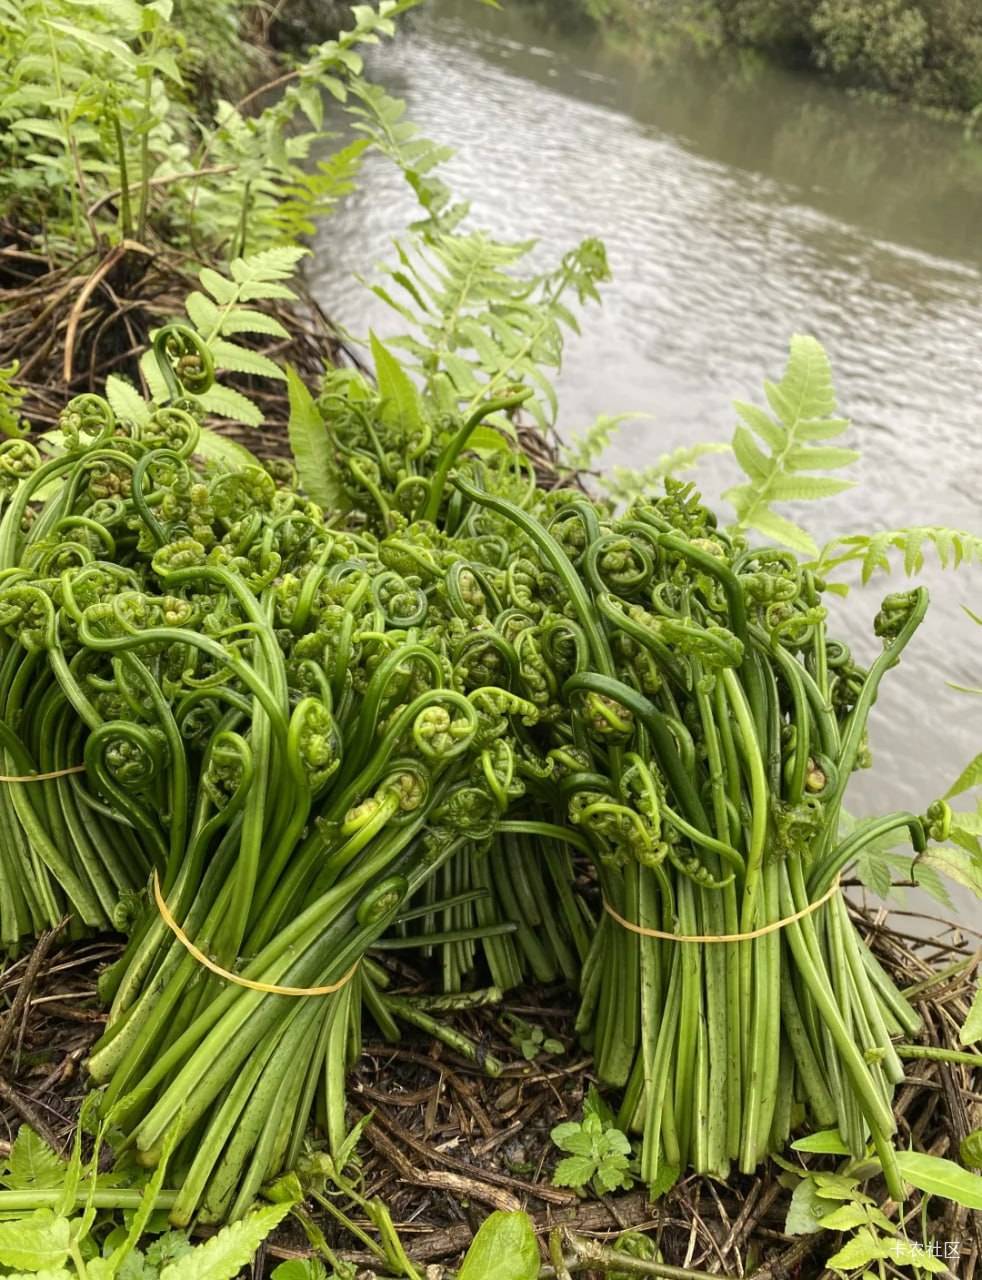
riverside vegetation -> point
(402, 695)
(928, 52)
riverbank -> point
(924, 52)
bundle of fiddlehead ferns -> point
(697, 727)
(463, 705)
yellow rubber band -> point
(723, 937)
(239, 981)
(41, 777)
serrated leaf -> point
(226, 452)
(125, 401)
(783, 531)
(226, 402)
(846, 1218)
(574, 1171)
(311, 445)
(801, 488)
(401, 404)
(751, 459)
(221, 1257)
(154, 378)
(277, 263)
(970, 776)
(235, 359)
(858, 1251)
(221, 289)
(939, 1177)
(41, 1240)
(504, 1248)
(814, 458)
(963, 865)
(246, 320)
(32, 1165)
(204, 314)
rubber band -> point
(723, 937)
(41, 777)
(239, 981)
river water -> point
(738, 205)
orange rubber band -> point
(723, 937)
(41, 777)
(239, 981)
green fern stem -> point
(453, 450)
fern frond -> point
(477, 323)
(780, 452)
(953, 547)
(586, 448)
(626, 484)
(255, 277)
(381, 118)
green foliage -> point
(58, 1243)
(297, 1269)
(530, 1039)
(925, 51)
(599, 1153)
(628, 484)
(953, 548)
(882, 858)
(217, 313)
(11, 398)
(503, 1249)
(224, 1255)
(107, 132)
(381, 118)
(970, 1148)
(790, 465)
(586, 448)
(478, 323)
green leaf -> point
(504, 1248)
(970, 776)
(42, 1240)
(846, 1218)
(401, 404)
(939, 1177)
(826, 1142)
(574, 1171)
(230, 356)
(963, 865)
(224, 1255)
(972, 1028)
(781, 530)
(858, 1251)
(47, 1273)
(32, 1165)
(246, 320)
(221, 289)
(310, 443)
(801, 405)
(804, 1216)
(147, 1203)
(300, 1269)
(225, 451)
(226, 402)
(203, 313)
(125, 401)
(970, 1149)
